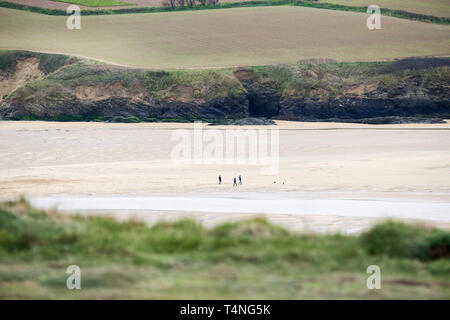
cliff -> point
(57, 87)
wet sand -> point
(318, 212)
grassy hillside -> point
(47, 62)
(249, 259)
(329, 79)
(57, 83)
(64, 76)
(224, 38)
(317, 78)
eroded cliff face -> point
(263, 99)
(81, 90)
(393, 95)
(26, 71)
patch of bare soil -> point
(27, 70)
(361, 89)
(412, 283)
(114, 89)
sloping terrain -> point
(55, 87)
(226, 37)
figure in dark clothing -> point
(234, 183)
(240, 179)
(220, 179)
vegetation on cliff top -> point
(324, 79)
(247, 259)
(199, 84)
(75, 79)
(47, 62)
(65, 74)
(307, 78)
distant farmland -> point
(438, 8)
(227, 37)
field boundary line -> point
(229, 5)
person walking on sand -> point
(234, 183)
(240, 179)
(220, 179)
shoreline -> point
(280, 124)
(329, 165)
(315, 212)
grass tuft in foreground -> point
(182, 259)
(399, 240)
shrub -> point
(157, 81)
(47, 62)
(180, 236)
(390, 238)
(438, 245)
(389, 81)
(401, 240)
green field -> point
(438, 8)
(96, 3)
(223, 38)
(250, 259)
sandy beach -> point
(401, 161)
(41, 158)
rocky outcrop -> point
(362, 108)
(232, 107)
(78, 90)
(263, 99)
(412, 99)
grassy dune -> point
(249, 259)
(223, 38)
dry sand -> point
(82, 158)
(322, 160)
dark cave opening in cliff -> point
(262, 107)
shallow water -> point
(410, 208)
